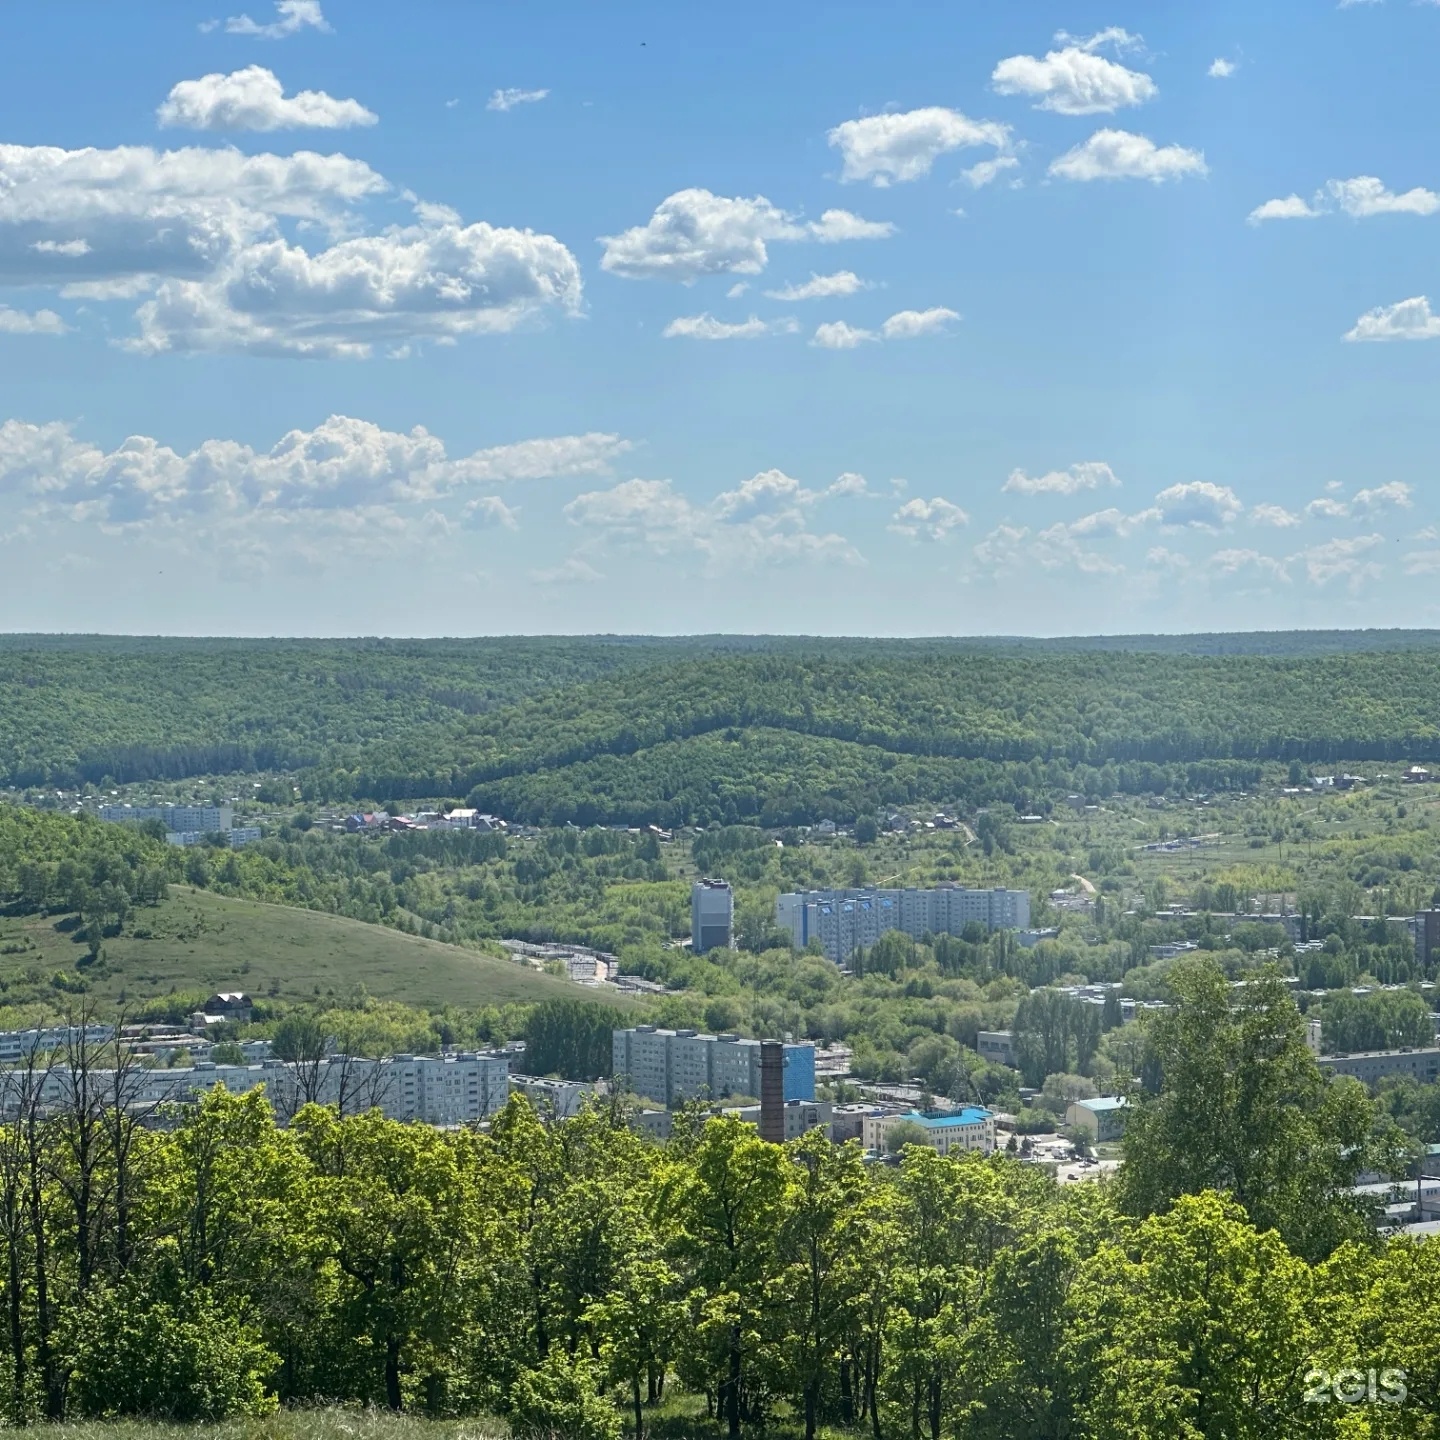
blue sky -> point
(342, 317)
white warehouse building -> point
(844, 921)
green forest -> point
(573, 1278)
(703, 731)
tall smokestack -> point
(772, 1091)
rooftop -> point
(970, 1115)
(1104, 1103)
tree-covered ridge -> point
(604, 730)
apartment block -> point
(678, 1065)
(184, 819)
(844, 921)
(443, 1090)
(712, 915)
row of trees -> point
(573, 1275)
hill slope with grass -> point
(195, 940)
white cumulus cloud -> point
(1406, 320)
(508, 99)
(837, 335)
(1291, 207)
(432, 281)
(1121, 155)
(1221, 69)
(694, 233)
(835, 226)
(764, 519)
(1276, 515)
(104, 215)
(72, 248)
(910, 324)
(38, 322)
(820, 287)
(1392, 495)
(1087, 475)
(202, 232)
(1342, 560)
(254, 99)
(1200, 504)
(1366, 195)
(1232, 563)
(487, 512)
(928, 519)
(903, 146)
(294, 16)
(1073, 81)
(342, 464)
(707, 327)
(986, 171)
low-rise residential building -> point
(1103, 1117)
(801, 1116)
(969, 1130)
(1372, 1066)
(233, 1005)
(997, 1046)
(1029, 939)
(847, 1122)
(560, 1098)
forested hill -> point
(711, 728)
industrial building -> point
(1103, 1116)
(844, 921)
(997, 1046)
(712, 915)
(678, 1065)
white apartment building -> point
(16, 1045)
(181, 818)
(844, 921)
(673, 1066)
(443, 1090)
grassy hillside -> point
(199, 941)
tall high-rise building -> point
(712, 915)
(844, 921)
